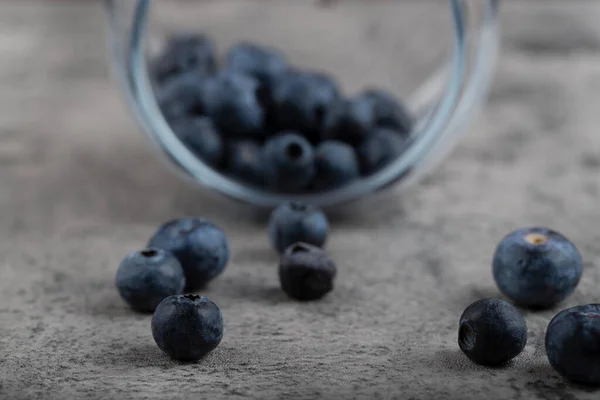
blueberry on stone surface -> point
(380, 148)
(306, 272)
(232, 100)
(536, 267)
(261, 62)
(200, 136)
(296, 222)
(336, 163)
(491, 332)
(246, 161)
(573, 343)
(290, 162)
(350, 120)
(389, 112)
(302, 100)
(201, 247)
(181, 97)
(185, 52)
(187, 327)
(144, 278)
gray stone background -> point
(79, 188)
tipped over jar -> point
(321, 102)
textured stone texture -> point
(79, 188)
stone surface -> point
(79, 188)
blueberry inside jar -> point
(281, 110)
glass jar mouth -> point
(422, 141)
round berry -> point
(232, 100)
(290, 162)
(182, 96)
(263, 63)
(306, 272)
(337, 165)
(380, 148)
(201, 247)
(297, 222)
(302, 101)
(185, 52)
(187, 327)
(201, 136)
(536, 267)
(389, 112)
(246, 161)
(350, 120)
(573, 343)
(491, 332)
(146, 277)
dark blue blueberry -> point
(350, 120)
(187, 327)
(263, 63)
(491, 332)
(290, 162)
(185, 52)
(201, 247)
(146, 277)
(297, 222)
(181, 97)
(266, 65)
(336, 163)
(201, 136)
(573, 343)
(389, 112)
(302, 101)
(379, 149)
(536, 267)
(232, 100)
(306, 272)
(246, 161)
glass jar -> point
(438, 57)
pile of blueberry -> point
(536, 268)
(185, 254)
(272, 126)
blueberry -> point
(336, 164)
(185, 52)
(536, 267)
(290, 162)
(263, 63)
(350, 120)
(182, 96)
(146, 277)
(573, 343)
(379, 149)
(246, 161)
(297, 222)
(492, 332)
(187, 327)
(201, 136)
(201, 247)
(302, 101)
(389, 112)
(306, 272)
(232, 100)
